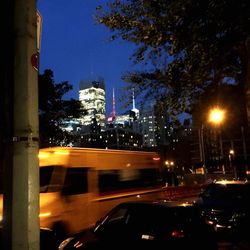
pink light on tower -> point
(113, 105)
(113, 114)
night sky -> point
(76, 48)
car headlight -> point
(65, 243)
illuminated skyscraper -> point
(92, 97)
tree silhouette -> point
(186, 45)
(53, 109)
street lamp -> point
(216, 116)
(202, 147)
(231, 154)
(169, 164)
(170, 178)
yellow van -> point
(79, 185)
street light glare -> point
(231, 151)
(216, 115)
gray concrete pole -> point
(21, 195)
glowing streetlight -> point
(171, 163)
(216, 116)
(231, 154)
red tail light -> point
(177, 234)
(156, 158)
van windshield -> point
(50, 179)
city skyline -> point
(75, 48)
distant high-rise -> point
(113, 114)
(92, 97)
(134, 109)
(148, 126)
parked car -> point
(147, 224)
(48, 239)
(226, 206)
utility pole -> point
(19, 138)
(202, 149)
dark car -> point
(149, 225)
(48, 239)
(226, 205)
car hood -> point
(233, 205)
(80, 241)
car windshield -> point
(228, 191)
(147, 218)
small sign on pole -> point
(35, 61)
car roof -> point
(236, 182)
(160, 203)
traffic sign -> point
(35, 60)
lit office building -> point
(92, 97)
(147, 125)
(120, 138)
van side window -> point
(75, 181)
(50, 178)
(118, 180)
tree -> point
(186, 45)
(53, 109)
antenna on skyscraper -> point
(113, 114)
(134, 109)
(133, 96)
(113, 105)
